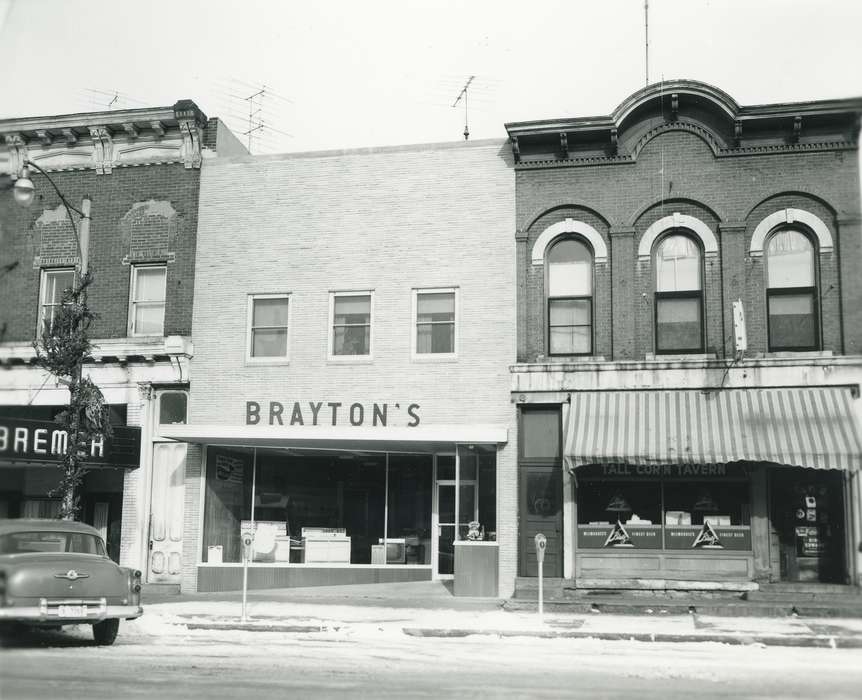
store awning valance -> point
(804, 427)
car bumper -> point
(56, 611)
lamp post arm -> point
(69, 207)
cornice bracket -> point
(17, 152)
(191, 148)
(70, 136)
(44, 137)
(131, 130)
(158, 128)
(674, 107)
(737, 132)
(516, 149)
(564, 145)
(797, 129)
(614, 141)
(103, 149)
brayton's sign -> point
(45, 441)
(330, 413)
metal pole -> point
(386, 515)
(541, 592)
(85, 236)
(244, 586)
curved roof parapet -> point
(686, 87)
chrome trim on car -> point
(44, 613)
(72, 575)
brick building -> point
(354, 324)
(690, 341)
(140, 171)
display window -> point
(322, 507)
(664, 513)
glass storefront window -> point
(227, 502)
(606, 502)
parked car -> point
(56, 572)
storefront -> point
(341, 506)
(689, 485)
(30, 454)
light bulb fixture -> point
(24, 190)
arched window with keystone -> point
(678, 262)
(570, 298)
(791, 292)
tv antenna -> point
(463, 94)
(254, 110)
(646, 40)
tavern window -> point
(678, 296)
(791, 292)
(570, 298)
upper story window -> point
(268, 327)
(435, 322)
(173, 406)
(570, 298)
(147, 300)
(678, 296)
(350, 314)
(54, 283)
(791, 292)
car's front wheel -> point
(105, 632)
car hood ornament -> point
(72, 575)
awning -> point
(419, 439)
(803, 427)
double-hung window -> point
(678, 296)
(147, 300)
(350, 314)
(791, 292)
(570, 298)
(435, 322)
(268, 327)
(54, 284)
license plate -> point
(72, 611)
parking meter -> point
(247, 544)
(541, 543)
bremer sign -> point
(44, 441)
(330, 413)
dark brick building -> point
(689, 340)
(140, 171)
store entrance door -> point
(446, 521)
(166, 512)
(808, 516)
(541, 509)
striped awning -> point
(802, 427)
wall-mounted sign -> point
(670, 470)
(46, 442)
(712, 537)
(619, 536)
(331, 413)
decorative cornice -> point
(103, 149)
(691, 127)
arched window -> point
(570, 298)
(791, 292)
(678, 295)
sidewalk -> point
(428, 609)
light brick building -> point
(659, 444)
(354, 325)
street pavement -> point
(416, 641)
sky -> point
(347, 74)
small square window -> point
(147, 300)
(435, 322)
(54, 284)
(268, 327)
(351, 324)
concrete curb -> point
(820, 641)
(258, 627)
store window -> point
(570, 298)
(791, 294)
(351, 324)
(322, 507)
(268, 327)
(678, 296)
(54, 284)
(664, 512)
(435, 322)
(172, 408)
(147, 300)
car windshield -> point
(50, 541)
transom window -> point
(351, 324)
(678, 296)
(54, 283)
(570, 298)
(791, 292)
(435, 322)
(268, 326)
(147, 300)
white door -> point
(166, 512)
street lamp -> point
(24, 192)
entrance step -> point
(807, 593)
(528, 588)
(158, 590)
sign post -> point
(541, 543)
(247, 552)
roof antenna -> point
(463, 94)
(646, 40)
(254, 111)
